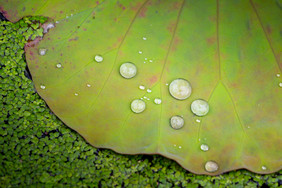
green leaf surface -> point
(229, 50)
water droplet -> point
(71, 14)
(146, 58)
(179, 147)
(47, 27)
(57, 22)
(211, 166)
(199, 139)
(42, 51)
(157, 101)
(204, 147)
(67, 16)
(59, 65)
(180, 89)
(263, 168)
(176, 122)
(248, 127)
(76, 94)
(145, 97)
(88, 85)
(200, 107)
(128, 70)
(175, 145)
(149, 91)
(148, 99)
(278, 75)
(280, 84)
(166, 84)
(141, 87)
(150, 61)
(144, 38)
(144, 62)
(140, 52)
(198, 121)
(138, 106)
(42, 87)
(98, 58)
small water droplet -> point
(157, 101)
(140, 52)
(199, 139)
(146, 58)
(71, 14)
(59, 65)
(263, 168)
(175, 145)
(280, 84)
(200, 107)
(67, 16)
(141, 98)
(211, 166)
(57, 22)
(88, 85)
(47, 27)
(145, 97)
(176, 122)
(128, 70)
(42, 87)
(150, 61)
(42, 51)
(198, 121)
(141, 87)
(248, 127)
(148, 99)
(180, 89)
(204, 147)
(149, 90)
(179, 147)
(278, 75)
(98, 58)
(76, 94)
(166, 84)
(138, 106)
(144, 38)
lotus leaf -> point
(228, 50)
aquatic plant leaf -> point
(229, 51)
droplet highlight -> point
(200, 107)
(211, 166)
(138, 106)
(42, 51)
(204, 147)
(98, 58)
(128, 70)
(180, 89)
(157, 101)
(176, 122)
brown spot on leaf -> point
(268, 29)
(34, 42)
(153, 79)
(61, 12)
(175, 43)
(143, 12)
(73, 39)
(171, 26)
(211, 40)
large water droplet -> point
(42, 51)
(180, 89)
(128, 70)
(138, 106)
(200, 107)
(42, 87)
(157, 101)
(211, 166)
(204, 147)
(98, 58)
(176, 122)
